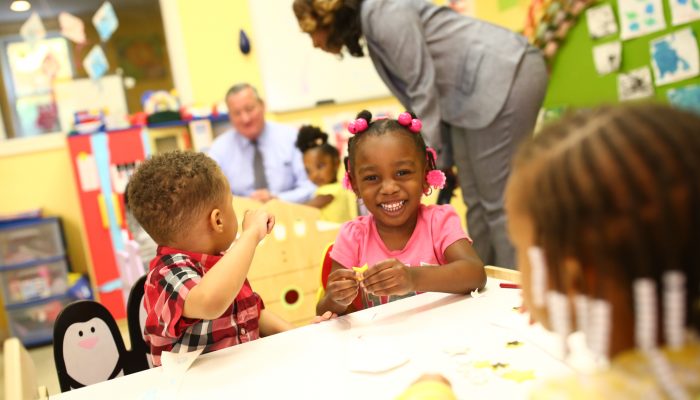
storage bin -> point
(33, 323)
(29, 241)
(38, 280)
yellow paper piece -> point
(519, 376)
(359, 271)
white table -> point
(312, 362)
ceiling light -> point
(20, 6)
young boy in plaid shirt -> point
(196, 297)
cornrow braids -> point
(380, 127)
(618, 190)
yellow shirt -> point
(340, 209)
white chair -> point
(20, 373)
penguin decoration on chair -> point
(88, 347)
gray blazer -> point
(440, 64)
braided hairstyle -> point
(618, 189)
(311, 137)
(340, 17)
(381, 127)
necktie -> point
(260, 181)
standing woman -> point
(477, 86)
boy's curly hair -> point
(170, 191)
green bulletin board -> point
(574, 81)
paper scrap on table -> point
(175, 366)
(675, 57)
(640, 17)
(601, 21)
(32, 30)
(72, 27)
(607, 57)
(374, 354)
(95, 63)
(476, 294)
(636, 84)
(105, 21)
(686, 98)
(684, 11)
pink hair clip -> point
(357, 126)
(413, 124)
(346, 182)
(436, 179)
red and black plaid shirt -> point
(172, 274)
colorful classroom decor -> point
(675, 57)
(686, 98)
(640, 17)
(95, 63)
(548, 23)
(607, 57)
(32, 30)
(635, 84)
(72, 27)
(105, 21)
(684, 11)
(601, 21)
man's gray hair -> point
(239, 87)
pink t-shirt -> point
(359, 243)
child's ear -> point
(216, 222)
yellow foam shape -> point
(359, 271)
(519, 375)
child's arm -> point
(320, 201)
(220, 286)
(341, 290)
(270, 323)
(462, 272)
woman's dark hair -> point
(311, 137)
(340, 17)
(380, 127)
(619, 190)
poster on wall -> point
(601, 21)
(675, 57)
(640, 17)
(683, 11)
(686, 98)
(635, 84)
(72, 27)
(607, 57)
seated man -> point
(259, 158)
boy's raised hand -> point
(388, 277)
(259, 221)
(342, 286)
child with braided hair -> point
(408, 247)
(603, 211)
(321, 161)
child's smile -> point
(389, 176)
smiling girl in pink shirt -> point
(409, 247)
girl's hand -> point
(388, 277)
(325, 317)
(342, 286)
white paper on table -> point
(87, 172)
(601, 21)
(675, 57)
(175, 366)
(32, 29)
(607, 57)
(374, 354)
(683, 11)
(640, 17)
(635, 84)
(105, 21)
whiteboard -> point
(296, 75)
(88, 94)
